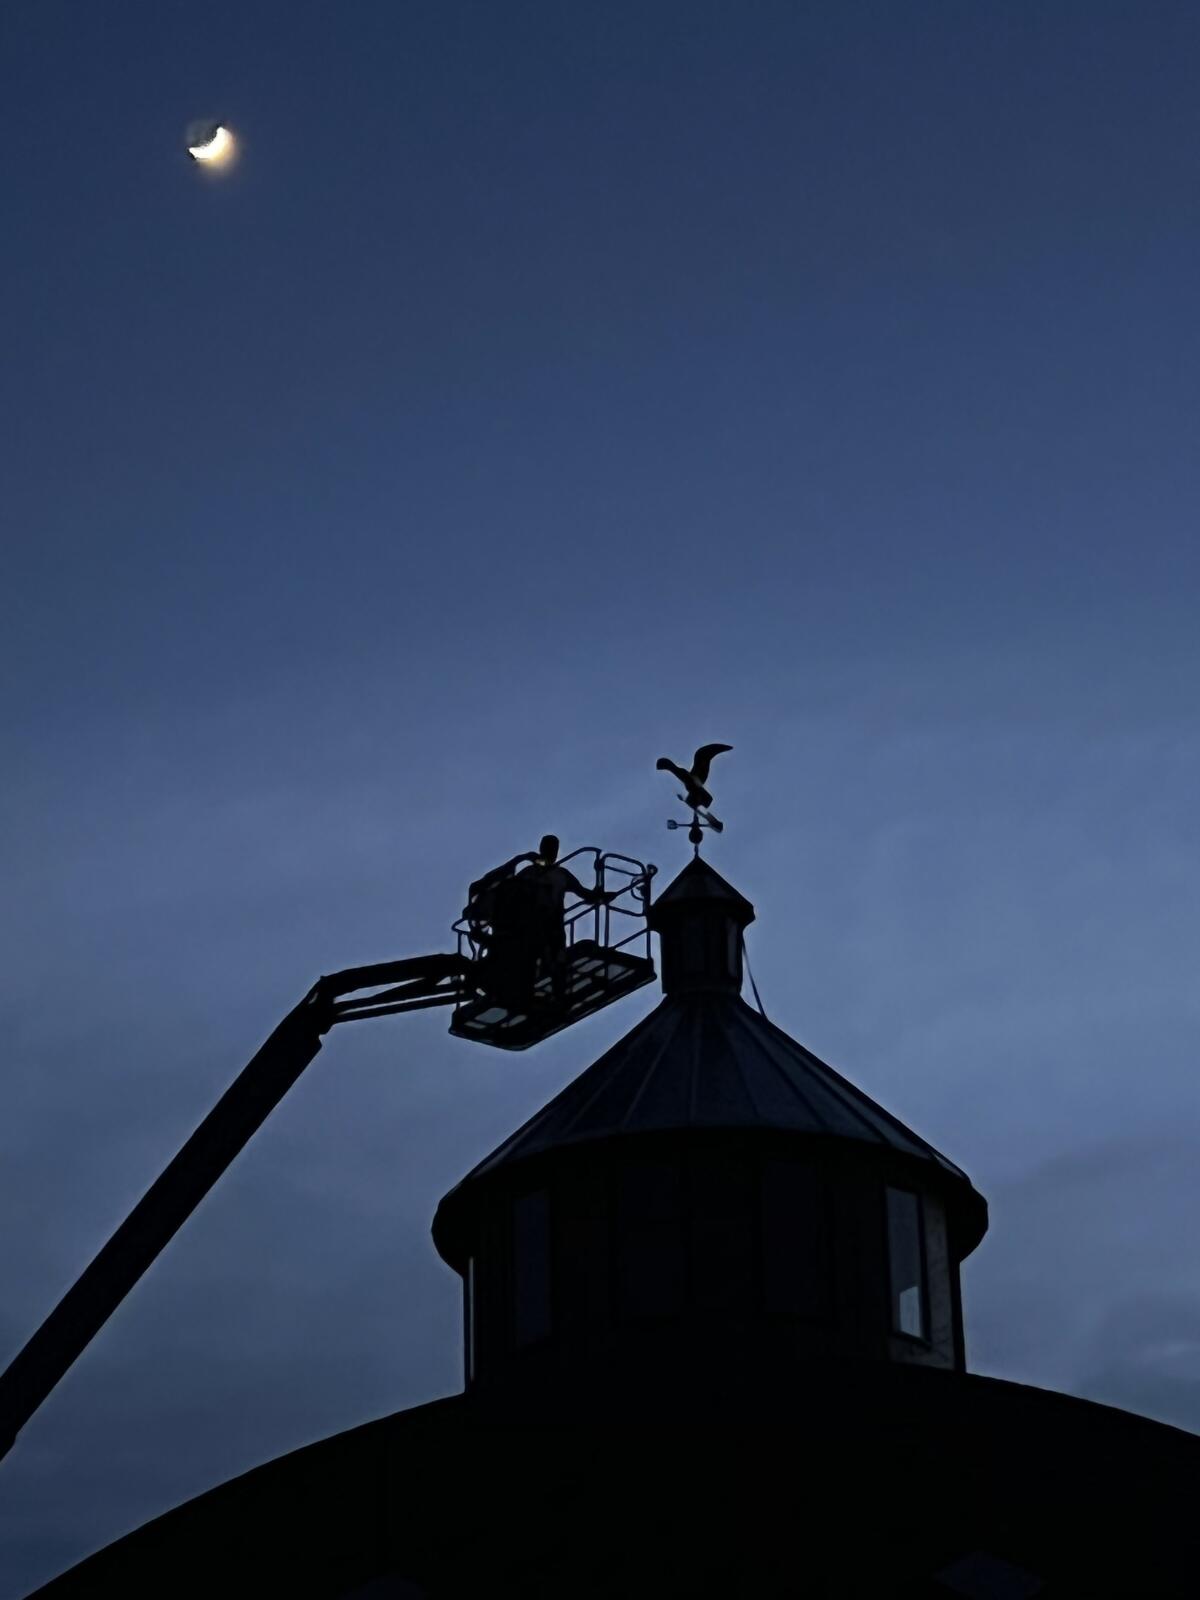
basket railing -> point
(617, 924)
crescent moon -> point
(215, 150)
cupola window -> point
(469, 1326)
(795, 1242)
(723, 1235)
(906, 1260)
(531, 1268)
(650, 1243)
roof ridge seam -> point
(694, 1063)
(782, 1071)
(499, 1154)
(654, 1061)
(852, 1092)
(603, 1078)
(731, 1044)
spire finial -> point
(695, 795)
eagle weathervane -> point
(694, 793)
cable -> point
(750, 975)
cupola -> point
(707, 1204)
(700, 920)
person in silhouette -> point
(524, 910)
(550, 883)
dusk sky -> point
(549, 387)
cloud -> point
(1147, 1357)
(1088, 1279)
(946, 875)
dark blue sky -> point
(548, 387)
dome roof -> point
(709, 1061)
(698, 882)
(704, 1062)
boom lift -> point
(509, 987)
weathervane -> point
(695, 794)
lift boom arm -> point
(171, 1199)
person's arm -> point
(497, 873)
(593, 897)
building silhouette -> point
(714, 1347)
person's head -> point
(548, 849)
